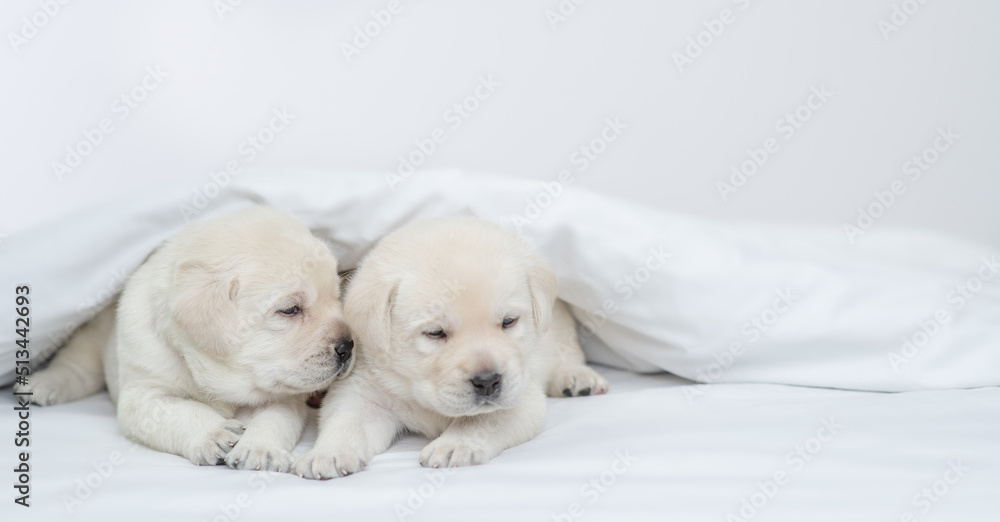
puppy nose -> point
(485, 384)
(343, 349)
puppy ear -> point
(367, 309)
(543, 286)
(204, 306)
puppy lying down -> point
(220, 336)
(460, 337)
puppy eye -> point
(436, 334)
(510, 321)
(292, 310)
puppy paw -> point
(322, 465)
(211, 448)
(451, 453)
(47, 388)
(576, 380)
(247, 455)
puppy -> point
(460, 337)
(220, 337)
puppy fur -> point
(460, 337)
(220, 336)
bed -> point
(642, 452)
(807, 419)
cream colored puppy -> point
(460, 336)
(220, 336)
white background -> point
(685, 129)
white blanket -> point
(710, 302)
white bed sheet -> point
(691, 457)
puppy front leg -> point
(352, 430)
(477, 439)
(183, 427)
(271, 434)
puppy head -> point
(448, 310)
(257, 298)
